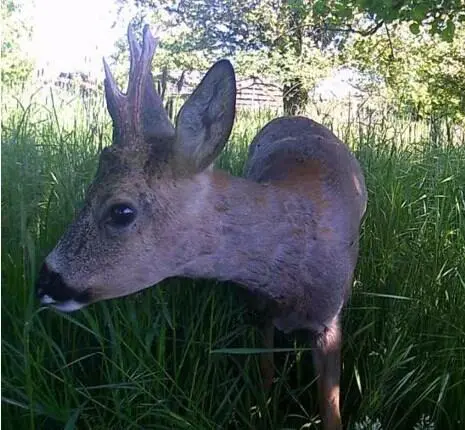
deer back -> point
(322, 180)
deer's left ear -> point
(205, 121)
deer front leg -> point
(266, 358)
(327, 361)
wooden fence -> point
(252, 92)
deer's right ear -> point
(205, 121)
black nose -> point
(50, 283)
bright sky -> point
(73, 35)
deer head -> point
(146, 194)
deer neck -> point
(238, 231)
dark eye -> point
(121, 215)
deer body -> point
(288, 231)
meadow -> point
(183, 355)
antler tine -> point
(139, 113)
(140, 69)
(113, 95)
(149, 43)
(134, 52)
(141, 91)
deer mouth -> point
(68, 305)
(65, 306)
(53, 292)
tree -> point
(286, 35)
(295, 41)
(281, 39)
(438, 18)
(423, 73)
(274, 39)
(15, 65)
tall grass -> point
(160, 359)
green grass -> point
(149, 360)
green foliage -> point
(16, 67)
(415, 50)
(279, 39)
(439, 18)
(421, 73)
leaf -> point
(320, 8)
(344, 11)
(71, 424)
(249, 351)
(386, 296)
(448, 32)
(420, 12)
(414, 28)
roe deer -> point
(288, 231)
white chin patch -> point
(47, 300)
(67, 306)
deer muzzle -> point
(53, 291)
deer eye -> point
(121, 215)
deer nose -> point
(50, 287)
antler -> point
(139, 113)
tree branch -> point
(390, 42)
(349, 29)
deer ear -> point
(205, 121)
